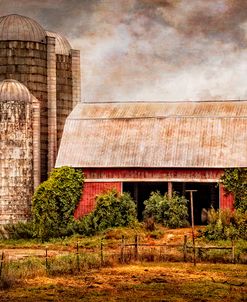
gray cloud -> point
(151, 49)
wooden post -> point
(169, 189)
(185, 248)
(136, 247)
(122, 250)
(46, 258)
(1, 266)
(101, 252)
(192, 223)
(233, 251)
(77, 257)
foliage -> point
(54, 203)
(112, 210)
(235, 181)
(149, 224)
(226, 224)
(20, 230)
(170, 212)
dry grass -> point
(134, 282)
(150, 282)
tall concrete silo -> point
(45, 63)
(19, 150)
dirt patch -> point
(17, 254)
(149, 282)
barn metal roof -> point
(159, 134)
(19, 28)
(62, 46)
(12, 90)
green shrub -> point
(20, 230)
(112, 210)
(226, 224)
(170, 212)
(54, 203)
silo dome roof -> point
(62, 46)
(12, 90)
(20, 28)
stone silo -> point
(45, 63)
(19, 150)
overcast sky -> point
(151, 49)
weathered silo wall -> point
(63, 81)
(64, 92)
(16, 152)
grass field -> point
(139, 282)
(147, 281)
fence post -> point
(136, 247)
(233, 251)
(185, 248)
(101, 252)
(46, 258)
(1, 266)
(122, 249)
(77, 257)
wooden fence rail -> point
(185, 247)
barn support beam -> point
(169, 189)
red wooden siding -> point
(226, 200)
(87, 202)
(151, 174)
(100, 180)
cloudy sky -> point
(151, 49)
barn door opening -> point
(140, 191)
(207, 196)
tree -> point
(54, 202)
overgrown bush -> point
(54, 203)
(226, 224)
(170, 212)
(112, 210)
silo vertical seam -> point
(76, 77)
(52, 106)
(36, 143)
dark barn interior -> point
(207, 195)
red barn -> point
(142, 147)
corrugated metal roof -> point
(182, 135)
(20, 28)
(62, 46)
(12, 90)
(159, 109)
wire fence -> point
(177, 252)
(127, 251)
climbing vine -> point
(235, 182)
(54, 203)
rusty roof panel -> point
(211, 135)
(159, 109)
